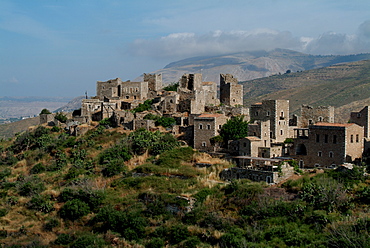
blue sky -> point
(62, 47)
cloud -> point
(182, 45)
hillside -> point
(113, 188)
(251, 65)
(341, 86)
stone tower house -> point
(154, 82)
(311, 115)
(191, 94)
(231, 93)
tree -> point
(234, 129)
(61, 117)
(171, 87)
(45, 112)
(165, 122)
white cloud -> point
(183, 45)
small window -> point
(326, 137)
(358, 115)
(200, 126)
(245, 144)
(281, 132)
(127, 97)
(357, 138)
(331, 154)
(317, 138)
(310, 122)
(334, 139)
(319, 154)
(281, 114)
(256, 113)
(320, 118)
(268, 113)
(208, 126)
(219, 126)
(351, 138)
(204, 144)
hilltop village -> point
(275, 138)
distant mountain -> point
(251, 65)
(73, 104)
(345, 86)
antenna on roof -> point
(86, 94)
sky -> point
(62, 47)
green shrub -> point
(51, 223)
(74, 209)
(31, 187)
(3, 212)
(171, 87)
(165, 122)
(38, 168)
(117, 152)
(55, 129)
(88, 241)
(5, 173)
(178, 233)
(155, 243)
(64, 239)
(61, 117)
(147, 105)
(113, 168)
(45, 112)
(40, 203)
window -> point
(317, 138)
(204, 144)
(268, 113)
(245, 144)
(310, 122)
(200, 126)
(320, 119)
(219, 126)
(281, 132)
(334, 139)
(331, 154)
(351, 138)
(208, 126)
(326, 138)
(256, 113)
(358, 115)
(357, 138)
(319, 154)
(281, 114)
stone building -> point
(311, 115)
(275, 111)
(362, 118)
(191, 94)
(154, 84)
(231, 93)
(207, 126)
(115, 89)
(210, 94)
(328, 144)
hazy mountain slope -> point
(10, 129)
(337, 85)
(251, 65)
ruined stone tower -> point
(154, 81)
(231, 93)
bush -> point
(155, 243)
(5, 173)
(38, 168)
(61, 117)
(165, 122)
(74, 209)
(64, 239)
(45, 112)
(147, 105)
(113, 168)
(40, 203)
(171, 87)
(88, 241)
(50, 224)
(117, 152)
(31, 187)
(3, 212)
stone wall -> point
(231, 93)
(311, 115)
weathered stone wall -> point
(277, 112)
(207, 126)
(311, 115)
(154, 81)
(231, 93)
(46, 118)
(362, 118)
(329, 144)
(146, 124)
(210, 94)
